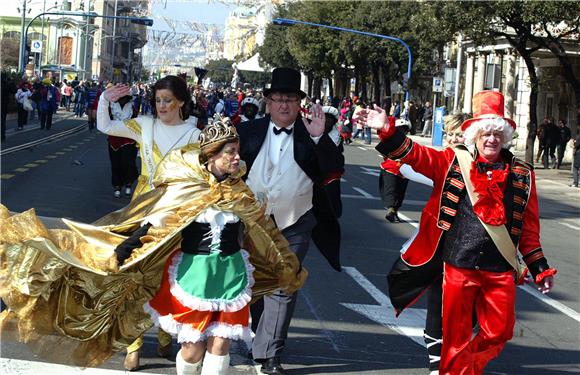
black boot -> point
(434, 351)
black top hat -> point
(286, 80)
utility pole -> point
(22, 52)
(113, 44)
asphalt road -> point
(343, 322)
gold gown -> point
(69, 300)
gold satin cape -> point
(71, 303)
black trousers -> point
(123, 165)
(46, 119)
(3, 115)
(549, 155)
(22, 116)
(561, 149)
(392, 189)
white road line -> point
(21, 367)
(409, 324)
(408, 220)
(363, 193)
(554, 182)
(551, 302)
(367, 285)
(330, 335)
(352, 196)
(569, 225)
(362, 148)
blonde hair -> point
(454, 121)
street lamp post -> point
(290, 22)
(24, 41)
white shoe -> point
(117, 194)
(127, 191)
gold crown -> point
(221, 130)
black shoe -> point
(391, 215)
(272, 366)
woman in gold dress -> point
(65, 288)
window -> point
(549, 106)
(492, 77)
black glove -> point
(125, 248)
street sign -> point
(36, 46)
(437, 84)
(438, 126)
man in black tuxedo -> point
(288, 160)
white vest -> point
(285, 186)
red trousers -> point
(492, 294)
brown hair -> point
(178, 88)
(213, 149)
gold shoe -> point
(165, 351)
(131, 361)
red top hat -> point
(487, 104)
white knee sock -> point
(215, 364)
(186, 368)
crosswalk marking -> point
(21, 170)
(41, 161)
(21, 367)
(31, 165)
(6, 176)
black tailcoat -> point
(317, 161)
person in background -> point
(35, 98)
(122, 151)
(92, 100)
(367, 132)
(551, 135)
(231, 105)
(49, 99)
(248, 111)
(413, 116)
(332, 182)
(346, 126)
(358, 106)
(80, 92)
(576, 162)
(393, 185)
(479, 273)
(427, 120)
(220, 107)
(22, 95)
(8, 89)
(565, 136)
(67, 92)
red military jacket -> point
(439, 213)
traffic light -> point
(142, 21)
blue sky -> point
(202, 11)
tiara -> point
(221, 130)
